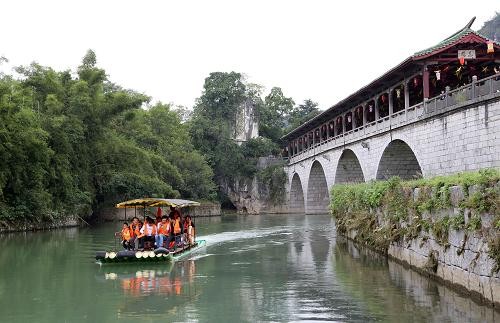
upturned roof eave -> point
(418, 56)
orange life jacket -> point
(135, 230)
(126, 234)
(177, 226)
(164, 228)
(149, 229)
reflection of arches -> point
(349, 169)
(296, 195)
(398, 160)
(317, 190)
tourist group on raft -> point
(163, 232)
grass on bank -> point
(382, 212)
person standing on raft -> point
(135, 230)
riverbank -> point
(7, 226)
(446, 227)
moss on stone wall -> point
(382, 212)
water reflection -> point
(255, 268)
(389, 285)
(142, 286)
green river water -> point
(277, 268)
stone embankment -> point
(31, 225)
(450, 233)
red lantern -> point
(490, 49)
(461, 60)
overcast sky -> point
(322, 50)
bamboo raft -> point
(157, 255)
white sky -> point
(323, 50)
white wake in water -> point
(219, 238)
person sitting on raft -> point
(189, 230)
(163, 232)
(126, 235)
(177, 228)
(148, 232)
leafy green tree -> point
(71, 144)
(302, 113)
(274, 113)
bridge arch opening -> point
(349, 169)
(398, 159)
(317, 190)
(297, 204)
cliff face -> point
(253, 195)
(246, 124)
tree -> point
(274, 113)
(491, 28)
(69, 145)
(302, 113)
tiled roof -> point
(448, 41)
(452, 39)
(415, 57)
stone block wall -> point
(462, 261)
(462, 139)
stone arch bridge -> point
(436, 113)
(426, 140)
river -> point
(254, 268)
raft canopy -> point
(151, 202)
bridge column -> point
(407, 95)
(343, 123)
(474, 89)
(363, 106)
(425, 82)
(377, 114)
(391, 108)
